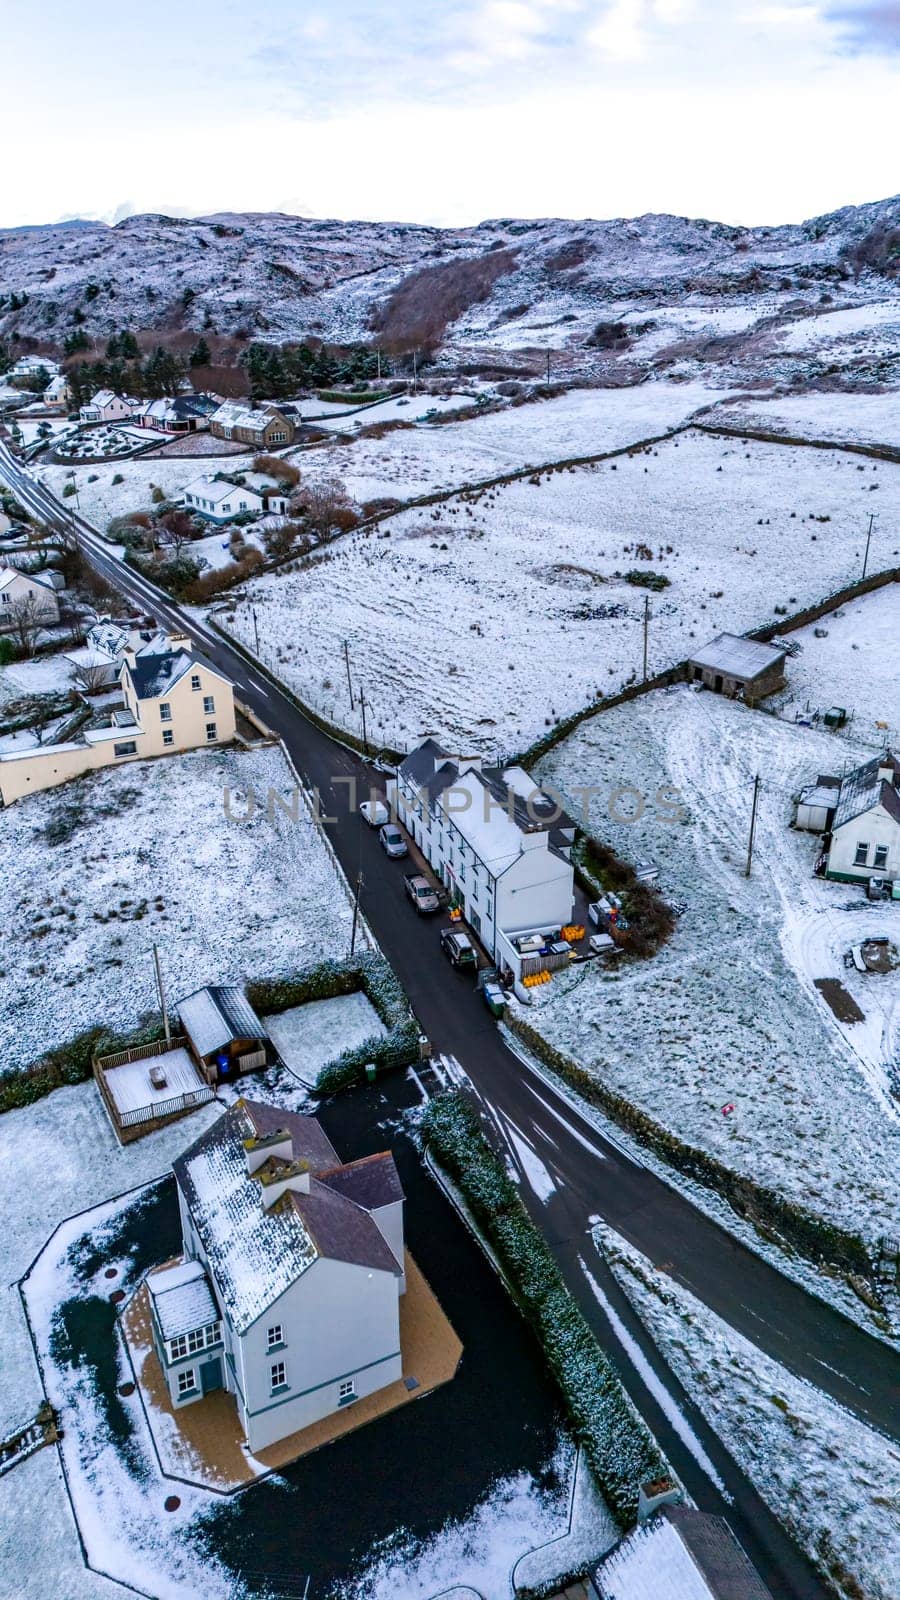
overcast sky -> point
(448, 111)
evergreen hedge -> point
(369, 974)
(70, 1063)
(621, 1452)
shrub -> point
(117, 478)
(68, 490)
(646, 580)
(206, 585)
(157, 495)
(284, 471)
(620, 1450)
(416, 313)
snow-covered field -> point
(727, 1013)
(832, 1481)
(46, 675)
(149, 855)
(854, 666)
(102, 500)
(851, 417)
(486, 621)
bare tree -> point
(92, 676)
(176, 529)
(326, 509)
(28, 615)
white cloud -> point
(620, 34)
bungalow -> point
(31, 367)
(27, 595)
(58, 394)
(219, 501)
(106, 406)
(288, 1293)
(173, 701)
(183, 413)
(742, 668)
(498, 843)
(261, 427)
(865, 830)
(224, 1032)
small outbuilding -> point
(817, 803)
(225, 1034)
(745, 669)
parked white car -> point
(375, 813)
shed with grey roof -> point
(225, 1034)
(680, 1554)
(746, 669)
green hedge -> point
(370, 974)
(801, 1230)
(621, 1452)
(70, 1063)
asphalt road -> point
(587, 1174)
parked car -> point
(420, 892)
(458, 947)
(375, 813)
(879, 889)
(599, 910)
(392, 841)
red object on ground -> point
(125, 1389)
(111, 1272)
(727, 1110)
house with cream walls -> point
(106, 406)
(288, 1292)
(172, 701)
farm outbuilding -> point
(742, 668)
(225, 1034)
(816, 804)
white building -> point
(58, 394)
(30, 366)
(289, 1292)
(31, 594)
(679, 1554)
(182, 413)
(98, 661)
(219, 501)
(106, 406)
(865, 830)
(497, 842)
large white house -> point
(288, 1294)
(173, 701)
(219, 501)
(106, 406)
(500, 844)
(865, 828)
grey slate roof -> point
(154, 675)
(213, 1016)
(862, 789)
(728, 1571)
(182, 1299)
(419, 765)
(371, 1182)
(255, 1253)
(737, 657)
(679, 1554)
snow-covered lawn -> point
(402, 408)
(45, 675)
(486, 622)
(149, 855)
(854, 418)
(727, 1013)
(102, 500)
(832, 1481)
(854, 666)
(308, 1037)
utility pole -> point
(255, 627)
(752, 826)
(415, 375)
(646, 631)
(362, 707)
(359, 881)
(868, 541)
(349, 679)
(548, 366)
(162, 994)
(378, 359)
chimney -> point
(535, 838)
(180, 641)
(661, 1492)
(259, 1147)
(278, 1180)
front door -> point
(211, 1375)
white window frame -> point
(195, 681)
(187, 1382)
(209, 705)
(275, 1337)
(882, 851)
(276, 1382)
(347, 1391)
(861, 859)
(168, 737)
(211, 733)
(165, 711)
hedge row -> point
(651, 920)
(70, 1063)
(621, 1452)
(369, 974)
(811, 1236)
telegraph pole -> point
(752, 826)
(359, 881)
(548, 366)
(162, 994)
(349, 679)
(255, 627)
(362, 707)
(646, 631)
(868, 541)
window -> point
(210, 731)
(279, 1375)
(165, 712)
(195, 680)
(862, 855)
(178, 1347)
(187, 1382)
(168, 736)
(880, 857)
(128, 747)
(346, 1392)
(196, 1340)
(274, 1336)
(209, 704)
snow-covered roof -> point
(9, 574)
(236, 414)
(208, 487)
(738, 657)
(864, 788)
(212, 1017)
(503, 804)
(681, 1554)
(256, 1252)
(182, 1299)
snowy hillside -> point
(654, 293)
